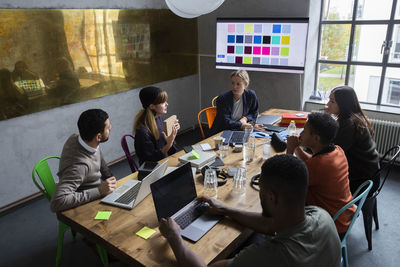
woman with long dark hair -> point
(151, 142)
(355, 137)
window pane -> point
(394, 56)
(335, 41)
(373, 9)
(366, 47)
(391, 87)
(338, 9)
(397, 15)
(365, 81)
(330, 76)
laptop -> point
(132, 192)
(234, 137)
(268, 119)
(175, 196)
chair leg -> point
(367, 216)
(103, 255)
(344, 254)
(61, 230)
(375, 214)
(73, 235)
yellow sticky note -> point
(103, 215)
(145, 232)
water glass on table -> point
(239, 181)
(248, 130)
(249, 150)
(223, 149)
(210, 183)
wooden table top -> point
(117, 235)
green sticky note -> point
(103, 215)
(195, 154)
(145, 232)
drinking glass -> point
(223, 150)
(210, 183)
(239, 181)
(267, 148)
(248, 130)
(249, 149)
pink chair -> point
(128, 155)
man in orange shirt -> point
(328, 185)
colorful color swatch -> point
(257, 44)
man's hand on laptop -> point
(169, 228)
(107, 186)
(216, 207)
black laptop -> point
(175, 196)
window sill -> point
(367, 107)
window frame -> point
(349, 62)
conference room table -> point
(118, 234)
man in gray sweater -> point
(82, 166)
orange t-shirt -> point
(328, 185)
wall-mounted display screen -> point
(277, 45)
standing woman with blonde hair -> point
(151, 142)
(236, 108)
(355, 137)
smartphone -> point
(188, 149)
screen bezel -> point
(259, 67)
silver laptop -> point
(175, 196)
(132, 192)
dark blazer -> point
(147, 147)
(223, 119)
(361, 154)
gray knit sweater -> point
(80, 174)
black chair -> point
(369, 209)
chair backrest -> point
(211, 112)
(358, 199)
(386, 167)
(124, 144)
(42, 170)
(213, 101)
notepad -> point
(168, 124)
(145, 232)
(103, 215)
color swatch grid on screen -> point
(256, 43)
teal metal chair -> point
(358, 199)
(370, 209)
(42, 170)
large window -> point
(359, 46)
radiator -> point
(387, 135)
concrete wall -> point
(279, 90)
(27, 139)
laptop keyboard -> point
(129, 195)
(191, 214)
(237, 137)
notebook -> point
(175, 196)
(168, 124)
(234, 137)
(132, 192)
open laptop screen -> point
(173, 191)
